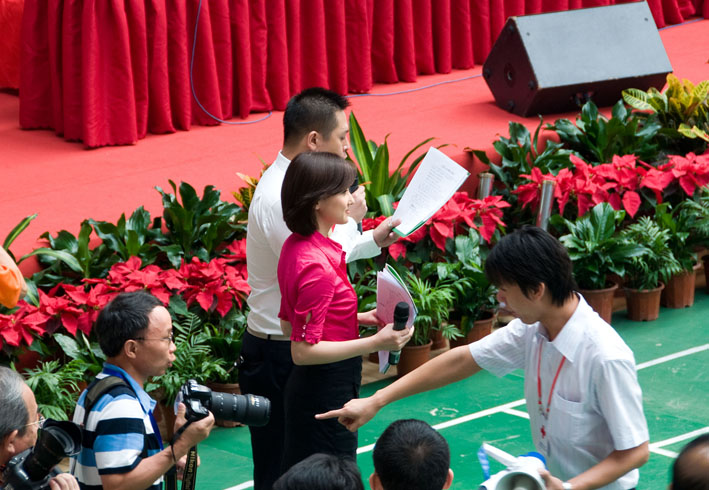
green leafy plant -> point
(694, 213)
(383, 188)
(433, 301)
(86, 355)
(682, 109)
(657, 263)
(474, 295)
(70, 259)
(130, 238)
(56, 387)
(193, 357)
(677, 224)
(597, 139)
(198, 227)
(595, 246)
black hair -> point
(124, 318)
(321, 472)
(411, 455)
(310, 177)
(528, 257)
(690, 470)
(313, 109)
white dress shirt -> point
(266, 232)
(596, 405)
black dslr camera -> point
(247, 409)
(33, 468)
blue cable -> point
(194, 94)
(415, 89)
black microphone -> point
(401, 316)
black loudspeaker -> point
(549, 63)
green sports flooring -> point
(672, 354)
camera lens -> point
(56, 441)
(247, 409)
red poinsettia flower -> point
(19, 326)
(691, 171)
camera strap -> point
(189, 476)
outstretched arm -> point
(608, 470)
(447, 368)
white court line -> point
(663, 452)
(670, 357)
(516, 413)
(683, 437)
(507, 408)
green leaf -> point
(61, 255)
(637, 99)
(15, 232)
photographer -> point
(19, 425)
(122, 448)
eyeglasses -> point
(170, 339)
(40, 421)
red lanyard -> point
(545, 413)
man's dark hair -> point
(528, 257)
(313, 109)
(411, 455)
(124, 318)
(690, 470)
(12, 406)
(321, 472)
(310, 177)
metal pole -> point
(545, 204)
(485, 184)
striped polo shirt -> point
(119, 432)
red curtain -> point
(108, 72)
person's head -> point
(321, 472)
(528, 264)
(315, 192)
(20, 421)
(315, 120)
(134, 331)
(690, 470)
(411, 455)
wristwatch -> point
(567, 486)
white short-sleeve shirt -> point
(596, 405)
(265, 235)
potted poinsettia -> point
(597, 251)
(646, 274)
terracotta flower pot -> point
(601, 300)
(413, 356)
(439, 342)
(705, 259)
(679, 292)
(231, 388)
(643, 304)
(481, 328)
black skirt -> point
(316, 389)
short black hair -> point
(690, 470)
(528, 257)
(124, 318)
(411, 455)
(310, 177)
(321, 472)
(313, 109)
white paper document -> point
(391, 289)
(433, 184)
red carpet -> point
(64, 183)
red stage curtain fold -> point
(109, 72)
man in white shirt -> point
(581, 388)
(314, 120)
